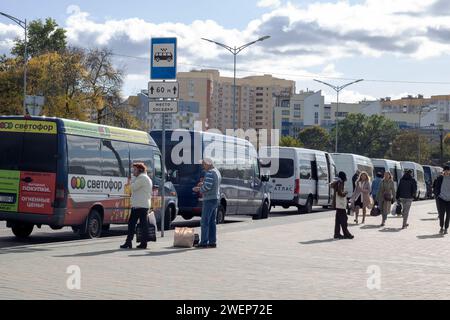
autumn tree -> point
(288, 141)
(405, 147)
(316, 138)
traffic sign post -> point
(163, 67)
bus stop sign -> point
(163, 58)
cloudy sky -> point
(399, 47)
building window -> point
(297, 106)
(285, 112)
(316, 118)
(285, 104)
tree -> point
(102, 82)
(364, 135)
(316, 138)
(405, 148)
(11, 86)
(42, 38)
(288, 141)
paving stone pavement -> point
(287, 257)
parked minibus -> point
(60, 172)
(350, 163)
(394, 167)
(419, 175)
(299, 177)
(244, 190)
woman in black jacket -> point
(340, 203)
(442, 195)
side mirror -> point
(265, 178)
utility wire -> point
(297, 75)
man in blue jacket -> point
(210, 190)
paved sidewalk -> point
(289, 257)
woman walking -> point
(141, 193)
(340, 203)
(361, 198)
(385, 196)
(442, 194)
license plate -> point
(7, 199)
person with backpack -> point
(340, 203)
(406, 192)
(442, 194)
(385, 196)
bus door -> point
(323, 187)
(331, 174)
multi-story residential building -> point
(294, 112)
(214, 93)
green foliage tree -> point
(365, 135)
(316, 138)
(288, 141)
(42, 38)
(405, 148)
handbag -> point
(387, 196)
(341, 202)
(151, 232)
(375, 212)
(399, 209)
(184, 237)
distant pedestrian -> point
(442, 194)
(385, 196)
(361, 198)
(355, 178)
(210, 189)
(406, 192)
(376, 186)
(340, 203)
(141, 193)
(435, 193)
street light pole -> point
(338, 89)
(235, 51)
(22, 24)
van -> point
(394, 167)
(419, 175)
(350, 163)
(243, 189)
(299, 177)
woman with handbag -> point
(386, 195)
(340, 203)
(141, 195)
(361, 198)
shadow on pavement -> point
(433, 213)
(391, 230)
(371, 226)
(89, 254)
(318, 241)
(21, 250)
(430, 219)
(163, 253)
(431, 236)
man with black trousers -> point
(340, 203)
(442, 195)
(406, 192)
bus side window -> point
(158, 166)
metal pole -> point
(25, 72)
(234, 91)
(418, 137)
(337, 119)
(163, 179)
(442, 145)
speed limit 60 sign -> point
(162, 90)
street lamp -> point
(235, 51)
(22, 24)
(338, 89)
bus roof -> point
(88, 129)
(208, 134)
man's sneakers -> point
(338, 237)
(405, 226)
(446, 231)
(441, 231)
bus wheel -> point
(22, 230)
(93, 227)
(220, 215)
(307, 208)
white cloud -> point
(269, 3)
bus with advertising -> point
(60, 172)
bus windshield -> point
(28, 152)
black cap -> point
(446, 168)
(343, 176)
